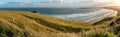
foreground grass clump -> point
(7, 31)
(27, 24)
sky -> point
(5, 1)
(22, 3)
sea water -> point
(77, 14)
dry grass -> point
(26, 24)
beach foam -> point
(88, 16)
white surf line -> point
(111, 14)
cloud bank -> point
(57, 4)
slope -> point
(27, 24)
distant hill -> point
(28, 24)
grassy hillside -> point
(27, 24)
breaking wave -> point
(87, 16)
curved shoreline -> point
(111, 14)
(94, 16)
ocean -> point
(77, 14)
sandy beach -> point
(116, 8)
(111, 14)
(116, 12)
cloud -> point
(49, 4)
(55, 0)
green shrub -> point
(104, 20)
(2, 35)
(119, 35)
(5, 30)
(102, 35)
(117, 30)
